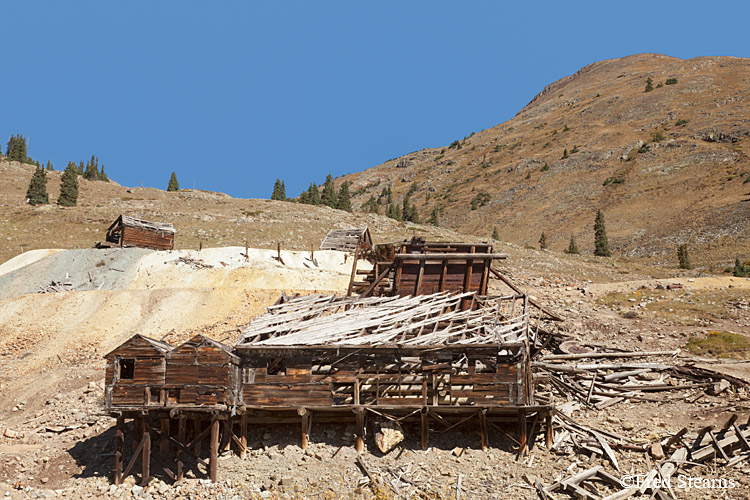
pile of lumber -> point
(56, 286)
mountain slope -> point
(666, 167)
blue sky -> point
(232, 94)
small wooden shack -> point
(201, 372)
(135, 373)
(346, 240)
(128, 231)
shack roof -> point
(423, 320)
(346, 239)
(158, 345)
(126, 220)
(199, 340)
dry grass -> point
(721, 345)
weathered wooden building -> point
(128, 231)
(347, 240)
(423, 357)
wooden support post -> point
(359, 414)
(483, 428)
(200, 246)
(305, 414)
(354, 268)
(137, 432)
(243, 435)
(181, 424)
(213, 460)
(119, 437)
(522, 438)
(425, 428)
(548, 431)
(146, 457)
(247, 254)
(164, 438)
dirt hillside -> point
(667, 167)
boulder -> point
(389, 436)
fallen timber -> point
(424, 358)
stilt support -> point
(548, 431)
(181, 433)
(305, 414)
(119, 439)
(146, 457)
(425, 428)
(483, 428)
(164, 438)
(522, 436)
(213, 461)
(359, 414)
(243, 435)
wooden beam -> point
(425, 428)
(213, 461)
(305, 414)
(181, 421)
(449, 256)
(243, 433)
(354, 268)
(119, 438)
(359, 415)
(146, 458)
(163, 441)
(522, 437)
(377, 280)
(483, 428)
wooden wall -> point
(139, 237)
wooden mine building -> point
(128, 231)
(431, 347)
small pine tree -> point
(173, 184)
(394, 212)
(495, 233)
(328, 197)
(739, 270)
(49, 166)
(102, 175)
(683, 257)
(92, 169)
(434, 217)
(601, 244)
(344, 199)
(81, 170)
(565, 153)
(543, 242)
(37, 192)
(314, 192)
(649, 85)
(371, 205)
(572, 247)
(68, 187)
(16, 150)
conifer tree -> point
(328, 197)
(371, 205)
(543, 242)
(601, 244)
(434, 217)
(37, 192)
(394, 212)
(102, 175)
(173, 184)
(683, 257)
(92, 169)
(572, 247)
(739, 270)
(49, 166)
(315, 194)
(495, 233)
(81, 170)
(68, 187)
(16, 150)
(344, 199)
(649, 85)
(565, 153)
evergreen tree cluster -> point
(279, 191)
(17, 149)
(69, 186)
(740, 270)
(91, 170)
(572, 247)
(329, 197)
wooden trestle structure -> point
(440, 359)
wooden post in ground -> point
(243, 435)
(146, 457)
(164, 439)
(425, 428)
(181, 423)
(137, 432)
(305, 414)
(119, 437)
(213, 460)
(522, 437)
(359, 414)
(483, 428)
(548, 430)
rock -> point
(613, 420)
(44, 480)
(718, 387)
(286, 481)
(10, 433)
(389, 436)
(656, 451)
(457, 451)
(628, 426)
(136, 490)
